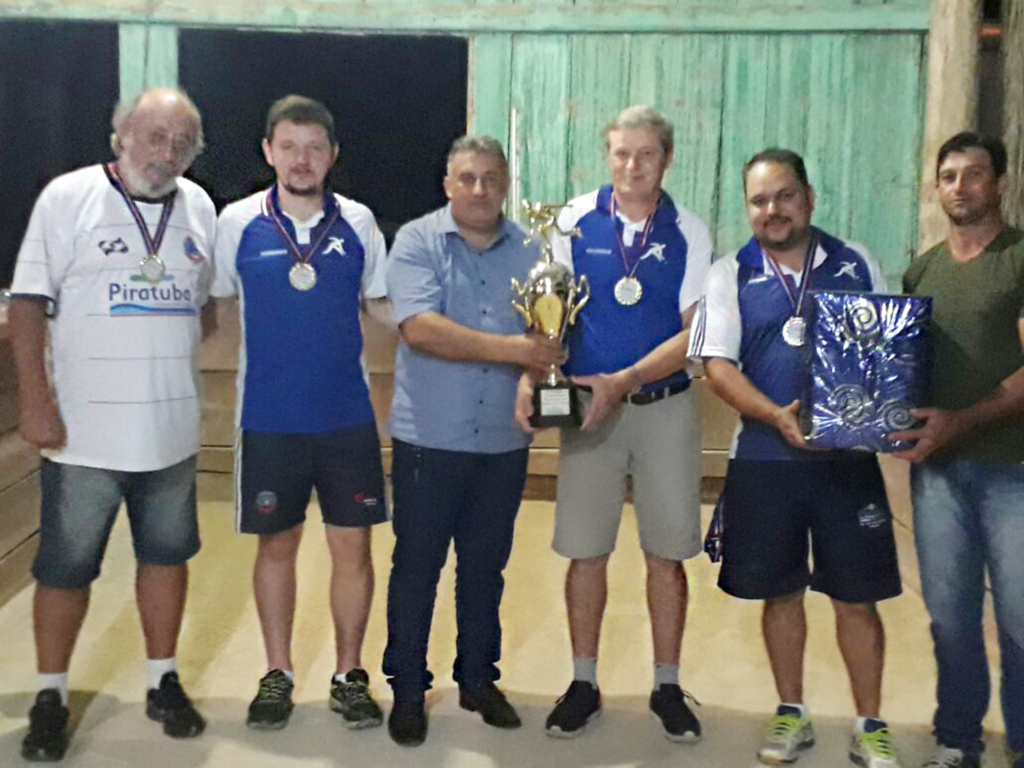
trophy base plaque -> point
(556, 405)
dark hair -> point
(301, 110)
(965, 140)
(781, 156)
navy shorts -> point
(80, 505)
(778, 512)
(276, 475)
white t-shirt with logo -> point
(122, 348)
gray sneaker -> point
(785, 737)
(352, 700)
(948, 757)
(874, 748)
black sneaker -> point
(353, 701)
(580, 705)
(170, 705)
(491, 704)
(668, 705)
(407, 723)
(273, 705)
(47, 737)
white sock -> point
(585, 668)
(289, 673)
(860, 722)
(666, 674)
(801, 707)
(341, 677)
(58, 681)
(157, 668)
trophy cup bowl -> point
(549, 301)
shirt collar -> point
(330, 202)
(752, 255)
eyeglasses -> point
(180, 145)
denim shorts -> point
(80, 505)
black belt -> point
(654, 395)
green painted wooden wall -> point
(851, 103)
(841, 81)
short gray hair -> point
(126, 108)
(642, 116)
(481, 145)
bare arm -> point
(943, 427)
(380, 311)
(434, 334)
(41, 424)
(609, 388)
(729, 383)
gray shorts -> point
(79, 508)
(659, 445)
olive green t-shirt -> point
(976, 309)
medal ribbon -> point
(796, 302)
(293, 247)
(152, 242)
(643, 239)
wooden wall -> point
(19, 482)
(841, 81)
(850, 102)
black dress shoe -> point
(491, 704)
(407, 723)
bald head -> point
(156, 137)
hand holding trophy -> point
(550, 302)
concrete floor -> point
(221, 659)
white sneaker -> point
(874, 749)
(947, 757)
(787, 734)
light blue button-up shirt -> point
(451, 404)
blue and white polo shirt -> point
(741, 316)
(671, 266)
(300, 364)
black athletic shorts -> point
(777, 512)
(276, 475)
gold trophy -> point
(550, 302)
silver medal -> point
(302, 276)
(794, 331)
(153, 269)
(628, 291)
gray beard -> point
(139, 186)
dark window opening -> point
(398, 103)
(58, 86)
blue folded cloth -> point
(870, 364)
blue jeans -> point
(969, 517)
(441, 495)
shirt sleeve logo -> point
(192, 252)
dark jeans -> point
(442, 495)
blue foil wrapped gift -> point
(870, 364)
